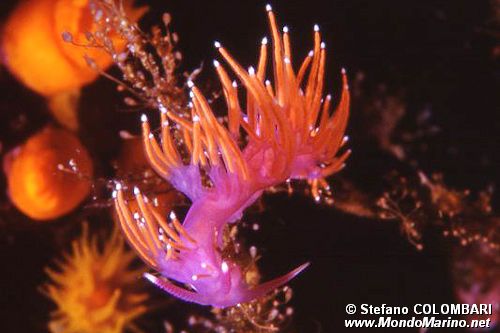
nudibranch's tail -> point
(148, 232)
(268, 286)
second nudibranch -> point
(288, 133)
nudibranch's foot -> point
(240, 296)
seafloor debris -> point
(429, 202)
(148, 62)
(463, 216)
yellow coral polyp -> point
(95, 289)
(36, 184)
(35, 52)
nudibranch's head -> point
(38, 184)
(34, 50)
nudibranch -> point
(35, 52)
(285, 132)
(95, 289)
(37, 183)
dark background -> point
(437, 54)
